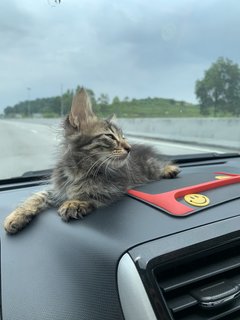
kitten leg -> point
(156, 169)
(74, 209)
(22, 215)
(170, 171)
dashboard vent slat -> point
(220, 314)
(199, 274)
(216, 268)
(182, 302)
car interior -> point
(170, 73)
(133, 259)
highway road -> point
(26, 147)
(32, 145)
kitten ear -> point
(112, 118)
(81, 110)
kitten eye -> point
(111, 136)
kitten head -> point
(92, 139)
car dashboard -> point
(131, 260)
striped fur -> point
(96, 167)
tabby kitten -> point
(96, 167)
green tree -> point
(116, 103)
(92, 96)
(8, 111)
(116, 100)
(220, 88)
(103, 99)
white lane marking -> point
(175, 145)
(34, 131)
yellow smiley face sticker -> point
(197, 200)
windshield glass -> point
(169, 70)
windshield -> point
(169, 70)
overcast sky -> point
(134, 48)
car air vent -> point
(203, 287)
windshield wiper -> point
(30, 176)
(186, 158)
(38, 174)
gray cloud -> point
(132, 48)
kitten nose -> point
(126, 146)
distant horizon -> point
(97, 96)
(110, 100)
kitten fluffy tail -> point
(23, 214)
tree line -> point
(218, 94)
(60, 106)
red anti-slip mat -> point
(171, 201)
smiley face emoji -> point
(197, 200)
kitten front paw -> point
(74, 209)
(15, 222)
(170, 171)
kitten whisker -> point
(108, 165)
(92, 167)
(103, 162)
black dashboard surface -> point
(56, 270)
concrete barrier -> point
(216, 132)
(223, 132)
